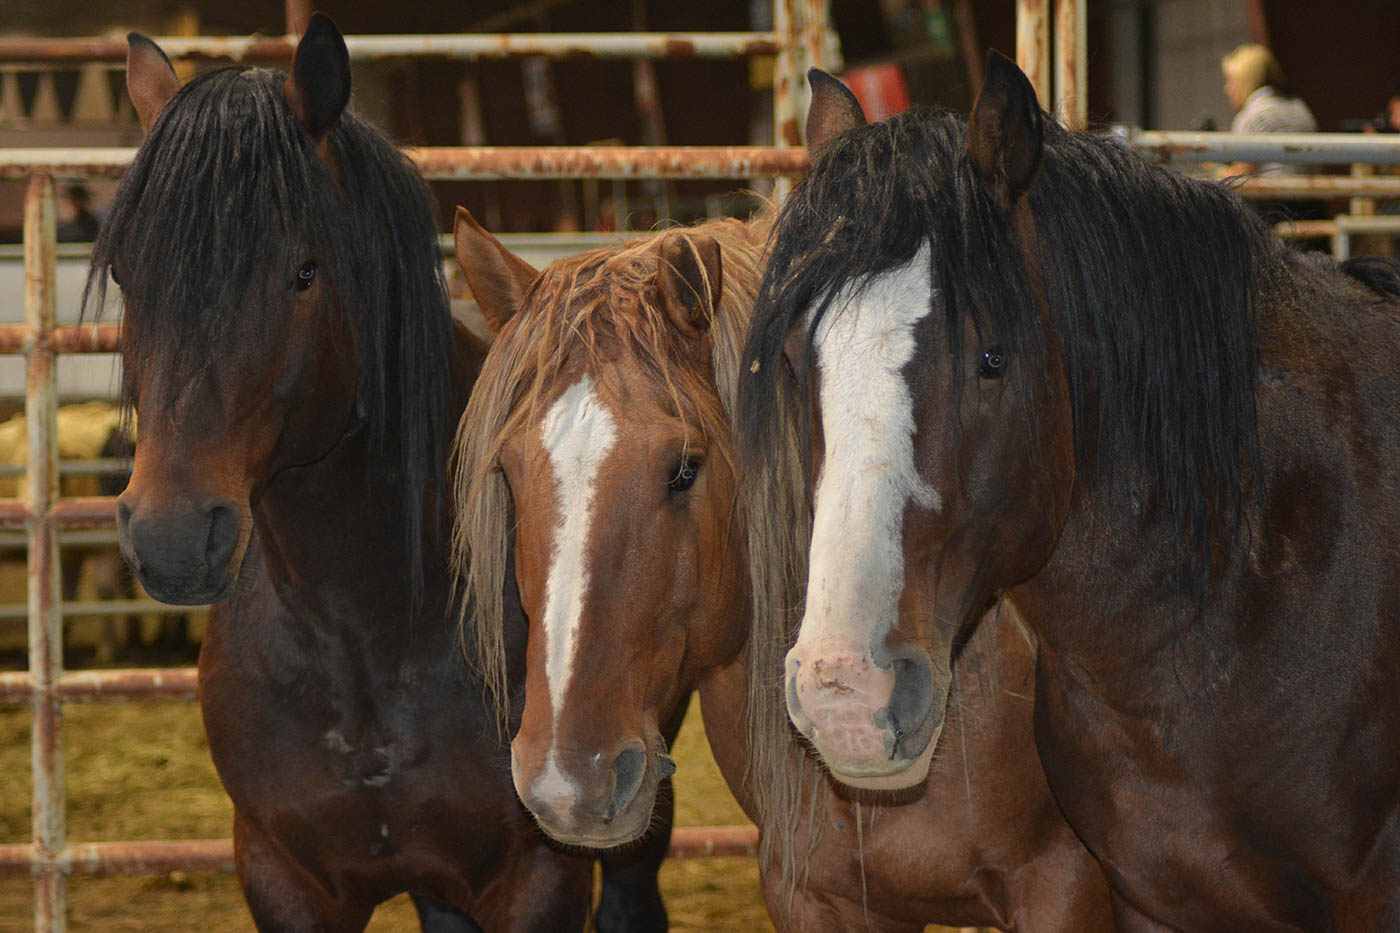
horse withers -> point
(289, 351)
(596, 470)
(1029, 360)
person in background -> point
(82, 226)
(1259, 95)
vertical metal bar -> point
(785, 116)
(647, 91)
(1033, 45)
(1071, 79)
(298, 15)
(814, 17)
(1362, 207)
(973, 53)
(785, 125)
(1257, 22)
(45, 598)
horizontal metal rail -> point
(272, 49)
(1315, 148)
(545, 162)
(211, 856)
(480, 163)
(14, 612)
(84, 338)
(156, 683)
(77, 512)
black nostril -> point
(223, 536)
(912, 694)
(628, 770)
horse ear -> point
(150, 78)
(497, 277)
(691, 274)
(319, 87)
(1005, 132)
(833, 111)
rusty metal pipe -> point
(279, 49)
(1071, 55)
(157, 683)
(1033, 45)
(482, 162)
(210, 856)
(45, 598)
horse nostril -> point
(912, 694)
(628, 769)
(223, 536)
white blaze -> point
(868, 474)
(577, 434)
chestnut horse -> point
(1029, 360)
(289, 351)
(596, 456)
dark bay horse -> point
(596, 467)
(1027, 360)
(291, 358)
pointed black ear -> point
(1005, 132)
(150, 78)
(691, 273)
(319, 87)
(833, 111)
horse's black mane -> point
(227, 198)
(1153, 279)
(1380, 274)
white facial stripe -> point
(577, 434)
(868, 474)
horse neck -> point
(333, 530)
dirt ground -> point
(142, 771)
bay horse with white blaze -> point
(596, 469)
(1030, 361)
(290, 354)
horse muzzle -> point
(874, 725)
(596, 801)
(185, 553)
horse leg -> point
(436, 916)
(282, 895)
(631, 899)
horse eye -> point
(306, 275)
(993, 363)
(684, 476)
(112, 271)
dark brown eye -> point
(683, 477)
(993, 363)
(112, 271)
(306, 275)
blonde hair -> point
(1254, 66)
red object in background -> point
(880, 89)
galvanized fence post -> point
(45, 597)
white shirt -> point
(1267, 111)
